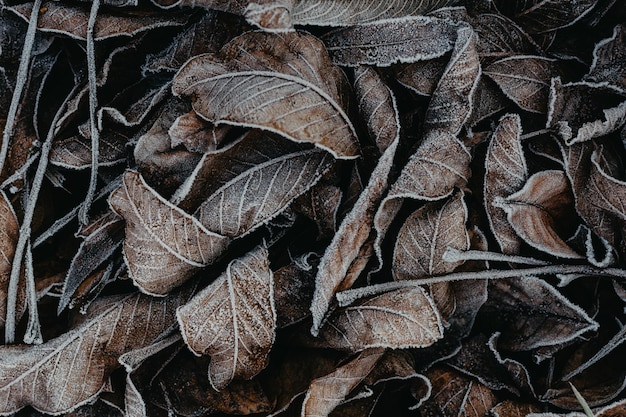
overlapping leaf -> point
(9, 228)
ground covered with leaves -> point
(313, 207)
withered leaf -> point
(387, 42)
(83, 358)
(525, 80)
(9, 228)
(233, 320)
(326, 393)
(451, 103)
(161, 237)
(540, 16)
(510, 408)
(72, 21)
(425, 236)
(422, 76)
(397, 319)
(488, 99)
(457, 395)
(610, 191)
(266, 93)
(582, 111)
(321, 204)
(349, 13)
(499, 37)
(353, 234)
(75, 151)
(609, 56)
(505, 173)
(195, 134)
(293, 291)
(548, 319)
(538, 208)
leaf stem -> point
(349, 296)
(455, 255)
(20, 83)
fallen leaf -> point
(8, 240)
(233, 320)
(421, 76)
(161, 237)
(609, 56)
(540, 16)
(293, 291)
(499, 37)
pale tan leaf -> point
(397, 319)
(425, 236)
(233, 320)
(505, 173)
(525, 80)
(350, 12)
(70, 370)
(537, 209)
(456, 395)
(72, 21)
(326, 393)
(451, 103)
(164, 246)
(9, 230)
(387, 42)
(355, 229)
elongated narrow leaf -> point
(64, 373)
(548, 319)
(164, 246)
(387, 42)
(326, 393)
(397, 319)
(426, 235)
(505, 174)
(525, 80)
(354, 232)
(348, 13)
(451, 103)
(233, 320)
(535, 211)
(9, 229)
(72, 21)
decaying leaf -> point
(609, 56)
(9, 229)
(161, 237)
(539, 16)
(233, 320)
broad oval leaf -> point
(397, 319)
(326, 393)
(233, 320)
(387, 42)
(499, 37)
(161, 237)
(535, 211)
(525, 80)
(60, 375)
(505, 173)
(349, 13)
(425, 236)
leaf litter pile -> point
(313, 207)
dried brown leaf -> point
(488, 99)
(425, 236)
(233, 320)
(397, 319)
(499, 37)
(321, 204)
(326, 393)
(538, 208)
(293, 291)
(609, 57)
(540, 16)
(387, 42)
(525, 80)
(510, 408)
(609, 192)
(195, 134)
(505, 173)
(9, 229)
(161, 237)
(422, 76)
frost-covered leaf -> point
(548, 317)
(488, 100)
(582, 111)
(510, 408)
(505, 173)
(397, 319)
(609, 57)
(9, 230)
(161, 237)
(70, 370)
(540, 16)
(536, 211)
(425, 236)
(387, 42)
(75, 151)
(72, 21)
(422, 76)
(499, 37)
(326, 393)
(293, 291)
(349, 13)
(233, 320)
(195, 134)
(525, 80)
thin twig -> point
(20, 83)
(349, 296)
(93, 105)
(20, 173)
(535, 134)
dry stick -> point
(20, 82)
(349, 296)
(93, 104)
(25, 230)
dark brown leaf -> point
(9, 228)
(422, 76)
(540, 16)
(233, 320)
(510, 408)
(499, 37)
(609, 56)
(293, 291)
